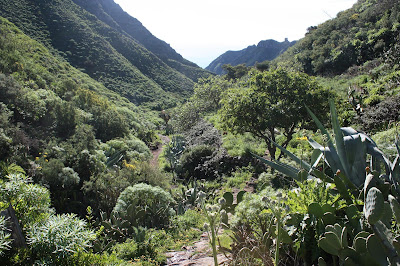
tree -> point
(235, 72)
(273, 100)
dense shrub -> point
(52, 173)
(154, 201)
(193, 159)
(103, 189)
(88, 258)
(252, 212)
(60, 236)
(5, 240)
(131, 250)
(5, 139)
(203, 133)
(31, 202)
(379, 116)
(130, 147)
(191, 218)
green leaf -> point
(341, 149)
(284, 236)
(292, 156)
(344, 237)
(376, 249)
(328, 208)
(330, 243)
(394, 204)
(341, 187)
(328, 218)
(321, 262)
(279, 167)
(319, 125)
(239, 196)
(228, 196)
(316, 210)
(374, 205)
(360, 244)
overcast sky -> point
(202, 30)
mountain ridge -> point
(113, 15)
(107, 54)
(264, 50)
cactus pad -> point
(374, 205)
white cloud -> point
(202, 30)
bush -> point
(56, 175)
(146, 250)
(60, 236)
(5, 240)
(379, 116)
(203, 133)
(239, 178)
(103, 189)
(89, 259)
(191, 218)
(192, 160)
(31, 202)
(155, 202)
(252, 212)
(131, 147)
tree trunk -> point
(13, 225)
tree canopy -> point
(272, 101)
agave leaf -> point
(284, 169)
(320, 126)
(114, 158)
(356, 155)
(341, 149)
(315, 158)
(330, 154)
(348, 131)
(292, 168)
(321, 175)
(395, 171)
(397, 143)
(377, 154)
(292, 156)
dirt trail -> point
(156, 153)
(199, 253)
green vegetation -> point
(357, 35)
(250, 152)
(117, 60)
(273, 99)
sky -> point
(203, 30)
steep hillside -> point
(265, 50)
(104, 53)
(43, 98)
(112, 14)
(362, 33)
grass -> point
(239, 178)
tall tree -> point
(273, 101)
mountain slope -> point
(42, 90)
(112, 14)
(107, 55)
(265, 50)
(362, 33)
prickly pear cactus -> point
(394, 204)
(374, 205)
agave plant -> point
(347, 156)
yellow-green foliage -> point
(385, 141)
